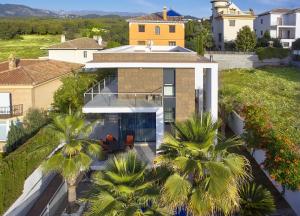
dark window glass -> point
(157, 30)
(220, 37)
(169, 115)
(231, 22)
(85, 54)
(141, 28)
(172, 28)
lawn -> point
(27, 47)
(275, 88)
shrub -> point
(271, 52)
(296, 44)
(15, 137)
(18, 165)
(256, 200)
(19, 132)
(69, 97)
(245, 40)
(200, 45)
(282, 155)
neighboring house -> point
(28, 83)
(282, 23)
(153, 87)
(227, 20)
(79, 50)
(158, 29)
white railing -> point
(97, 88)
(55, 201)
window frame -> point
(172, 43)
(85, 54)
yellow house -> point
(159, 29)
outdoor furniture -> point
(129, 142)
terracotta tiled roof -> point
(34, 72)
(158, 17)
(79, 43)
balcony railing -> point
(11, 111)
(124, 99)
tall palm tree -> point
(123, 189)
(256, 200)
(207, 176)
(76, 154)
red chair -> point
(109, 138)
(129, 142)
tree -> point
(207, 176)
(15, 137)
(69, 97)
(246, 39)
(200, 46)
(123, 189)
(75, 155)
(296, 44)
(256, 200)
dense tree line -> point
(115, 28)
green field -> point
(275, 88)
(27, 47)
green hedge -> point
(271, 52)
(17, 166)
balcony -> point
(105, 94)
(11, 111)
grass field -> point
(27, 47)
(275, 88)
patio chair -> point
(129, 142)
(112, 143)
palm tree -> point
(207, 176)
(256, 200)
(75, 156)
(123, 189)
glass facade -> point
(141, 125)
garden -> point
(268, 99)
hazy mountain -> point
(99, 13)
(14, 10)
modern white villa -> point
(151, 88)
(227, 20)
(282, 23)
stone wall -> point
(230, 60)
(185, 93)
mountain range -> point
(15, 10)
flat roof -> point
(153, 54)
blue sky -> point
(199, 8)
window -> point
(172, 28)
(172, 43)
(141, 43)
(261, 21)
(157, 30)
(220, 37)
(141, 28)
(286, 44)
(261, 33)
(169, 90)
(169, 115)
(231, 22)
(84, 54)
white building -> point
(227, 20)
(79, 50)
(283, 24)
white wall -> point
(297, 25)
(73, 56)
(230, 32)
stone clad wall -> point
(185, 93)
(232, 60)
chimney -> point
(12, 62)
(98, 39)
(165, 15)
(63, 38)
